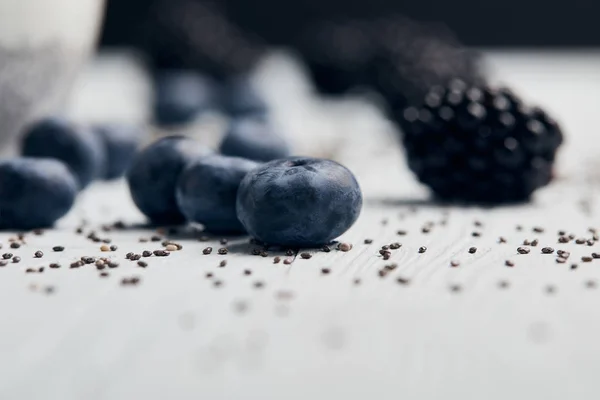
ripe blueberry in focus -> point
(207, 191)
(153, 176)
(241, 98)
(180, 96)
(298, 201)
(120, 144)
(480, 144)
(79, 148)
(255, 139)
(34, 192)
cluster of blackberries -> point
(58, 160)
(463, 139)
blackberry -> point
(479, 144)
(198, 35)
(395, 56)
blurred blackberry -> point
(194, 34)
(337, 55)
(395, 56)
(478, 144)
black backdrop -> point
(528, 23)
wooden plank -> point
(442, 332)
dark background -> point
(524, 23)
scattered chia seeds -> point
(16, 259)
(113, 264)
(54, 265)
(595, 255)
(563, 239)
(223, 263)
(547, 250)
(580, 241)
(222, 251)
(58, 248)
(501, 239)
(3, 263)
(142, 264)
(15, 245)
(400, 233)
(259, 285)
(587, 259)
(113, 248)
(288, 261)
(276, 260)
(172, 247)
(207, 250)
(535, 242)
(573, 266)
(385, 247)
(104, 247)
(289, 252)
(146, 253)
(473, 250)
(247, 272)
(538, 229)
(325, 271)
(264, 254)
(7, 256)
(159, 253)
(454, 263)
(368, 241)
(503, 284)
(476, 234)
(135, 257)
(395, 246)
(422, 249)
(326, 249)
(306, 256)
(509, 263)
(523, 250)
(38, 254)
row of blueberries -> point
(291, 201)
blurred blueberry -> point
(34, 192)
(254, 139)
(181, 96)
(79, 148)
(153, 176)
(299, 202)
(241, 98)
(207, 192)
(121, 143)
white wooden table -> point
(481, 330)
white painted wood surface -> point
(306, 335)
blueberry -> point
(181, 96)
(299, 202)
(79, 148)
(207, 192)
(34, 192)
(241, 98)
(254, 139)
(153, 176)
(120, 144)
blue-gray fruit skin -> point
(181, 96)
(153, 177)
(254, 139)
(120, 143)
(78, 147)
(240, 98)
(207, 192)
(299, 202)
(34, 192)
